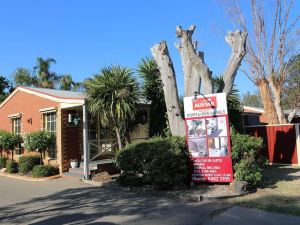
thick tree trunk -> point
(237, 42)
(276, 91)
(267, 101)
(161, 55)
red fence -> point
(280, 142)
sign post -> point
(208, 138)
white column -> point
(297, 125)
(86, 149)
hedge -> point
(44, 171)
(26, 163)
(161, 162)
(12, 167)
(3, 161)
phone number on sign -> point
(212, 179)
(216, 179)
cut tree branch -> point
(161, 55)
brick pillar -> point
(59, 139)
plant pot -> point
(74, 164)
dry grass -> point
(279, 191)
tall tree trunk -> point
(276, 91)
(161, 55)
(267, 101)
(237, 42)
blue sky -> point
(84, 36)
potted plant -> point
(74, 163)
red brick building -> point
(30, 109)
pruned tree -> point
(269, 51)
(197, 75)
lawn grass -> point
(279, 191)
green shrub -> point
(161, 162)
(12, 167)
(26, 163)
(247, 162)
(44, 171)
(3, 161)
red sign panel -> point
(205, 103)
(214, 169)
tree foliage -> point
(23, 77)
(291, 93)
(5, 88)
(153, 92)
(253, 99)
(66, 82)
(113, 95)
(39, 141)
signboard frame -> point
(208, 138)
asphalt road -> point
(69, 201)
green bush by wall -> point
(247, 162)
(161, 162)
(44, 171)
(12, 167)
(26, 163)
(3, 161)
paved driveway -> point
(68, 201)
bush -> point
(161, 162)
(247, 162)
(3, 161)
(44, 171)
(12, 167)
(26, 163)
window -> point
(16, 125)
(16, 128)
(49, 121)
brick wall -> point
(28, 106)
(71, 139)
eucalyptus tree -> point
(270, 48)
(113, 95)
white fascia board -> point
(65, 105)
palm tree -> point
(113, 97)
(46, 79)
(153, 91)
(66, 83)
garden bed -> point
(28, 178)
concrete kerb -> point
(169, 194)
(19, 177)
